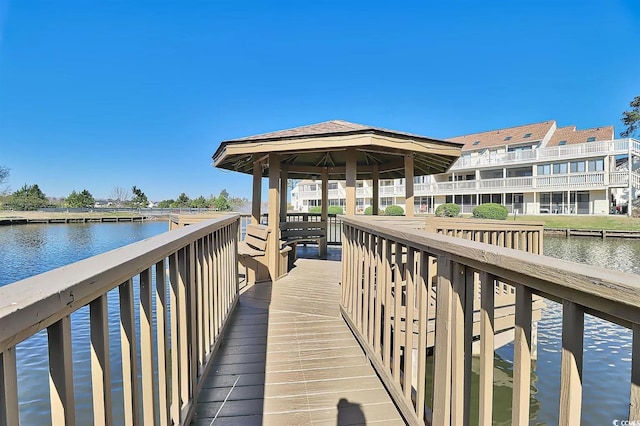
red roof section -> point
(509, 136)
(571, 136)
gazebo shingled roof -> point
(306, 150)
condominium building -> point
(537, 168)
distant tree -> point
(4, 175)
(182, 201)
(29, 197)
(165, 204)
(82, 199)
(631, 118)
(222, 201)
(139, 198)
(120, 195)
(199, 203)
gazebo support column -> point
(284, 177)
(351, 173)
(274, 220)
(324, 215)
(256, 200)
(375, 201)
(408, 185)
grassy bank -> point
(610, 222)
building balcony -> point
(583, 150)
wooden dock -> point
(85, 219)
(289, 358)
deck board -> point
(289, 358)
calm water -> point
(31, 249)
(27, 250)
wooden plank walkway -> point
(290, 359)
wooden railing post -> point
(442, 351)
(522, 357)
(487, 352)
(61, 373)
(100, 361)
(9, 414)
(571, 372)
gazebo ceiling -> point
(305, 151)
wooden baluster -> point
(358, 282)
(61, 373)
(634, 405)
(397, 313)
(571, 371)
(366, 273)
(458, 402)
(408, 343)
(9, 413)
(388, 308)
(522, 357)
(162, 343)
(100, 361)
(487, 289)
(422, 284)
(206, 296)
(175, 331)
(149, 393)
(380, 292)
(371, 285)
(200, 302)
(442, 347)
(130, 384)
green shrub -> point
(330, 210)
(394, 211)
(491, 211)
(369, 211)
(448, 210)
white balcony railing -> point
(615, 147)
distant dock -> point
(600, 233)
(7, 221)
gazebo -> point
(331, 150)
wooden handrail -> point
(381, 262)
(201, 298)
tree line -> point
(31, 197)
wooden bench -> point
(293, 233)
(253, 255)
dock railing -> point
(381, 262)
(181, 287)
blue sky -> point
(100, 94)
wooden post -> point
(375, 201)
(351, 182)
(274, 220)
(322, 245)
(257, 192)
(571, 369)
(284, 176)
(408, 185)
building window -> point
(508, 138)
(591, 139)
(577, 167)
(559, 168)
(527, 135)
(386, 182)
(544, 169)
(359, 184)
(332, 185)
(386, 201)
(476, 143)
(596, 165)
(561, 143)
